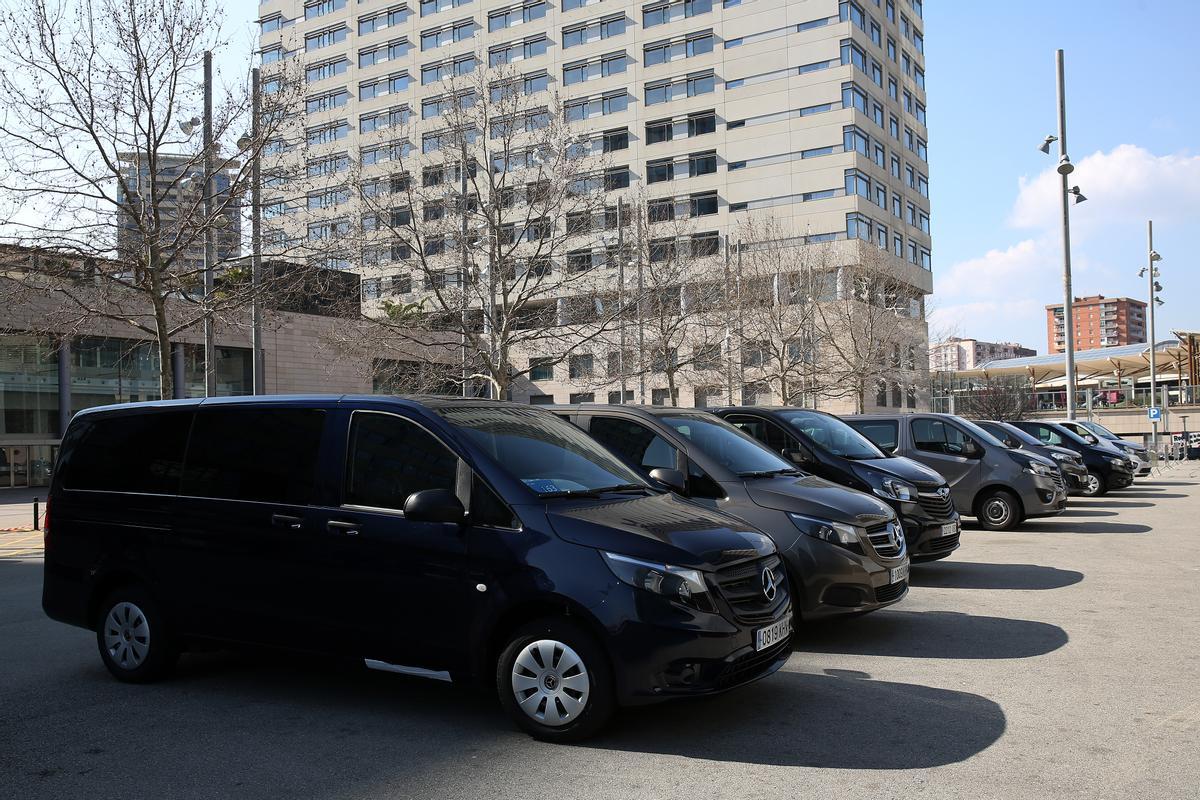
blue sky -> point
(1133, 104)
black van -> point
(450, 538)
(1107, 467)
(826, 446)
(844, 551)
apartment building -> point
(956, 353)
(812, 112)
(1099, 322)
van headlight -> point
(1037, 468)
(895, 490)
(839, 533)
(680, 584)
(1060, 456)
(1119, 463)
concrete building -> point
(1099, 322)
(178, 202)
(812, 112)
(956, 354)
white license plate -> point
(897, 574)
(772, 634)
(949, 529)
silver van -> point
(998, 486)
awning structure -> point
(1126, 362)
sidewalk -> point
(16, 507)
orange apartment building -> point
(1099, 322)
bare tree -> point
(998, 397)
(873, 331)
(94, 152)
(477, 218)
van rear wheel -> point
(133, 637)
(1094, 484)
(999, 510)
(554, 680)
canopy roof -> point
(1124, 361)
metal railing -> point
(1096, 399)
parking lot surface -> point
(1057, 660)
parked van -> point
(1088, 430)
(1107, 466)
(827, 447)
(998, 486)
(1069, 463)
(450, 538)
(844, 550)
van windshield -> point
(731, 448)
(548, 454)
(834, 435)
(1099, 430)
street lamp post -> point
(1152, 281)
(1064, 169)
(256, 340)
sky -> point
(1133, 125)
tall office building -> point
(178, 203)
(1099, 322)
(810, 111)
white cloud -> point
(1001, 294)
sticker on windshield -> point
(541, 485)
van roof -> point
(415, 400)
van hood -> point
(900, 467)
(663, 527)
(817, 497)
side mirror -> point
(434, 505)
(971, 450)
(673, 479)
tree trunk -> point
(166, 376)
(671, 394)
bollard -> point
(37, 526)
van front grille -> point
(886, 594)
(936, 505)
(943, 544)
(881, 539)
(751, 665)
(742, 588)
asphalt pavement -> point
(1058, 660)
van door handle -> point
(336, 526)
(286, 521)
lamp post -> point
(619, 239)
(1064, 169)
(1151, 273)
(250, 143)
(210, 348)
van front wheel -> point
(1094, 484)
(554, 681)
(999, 510)
(133, 637)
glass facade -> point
(101, 371)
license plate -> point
(772, 634)
(949, 529)
(897, 574)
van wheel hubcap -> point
(550, 682)
(1091, 485)
(996, 511)
(126, 635)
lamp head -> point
(244, 142)
(1065, 167)
(1045, 146)
(189, 125)
(1158, 301)
(1079, 198)
(1154, 256)
(1157, 286)
(1142, 272)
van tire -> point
(567, 642)
(133, 636)
(1094, 484)
(998, 510)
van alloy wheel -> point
(126, 635)
(1091, 485)
(550, 682)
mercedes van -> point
(465, 540)
(844, 550)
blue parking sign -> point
(1154, 414)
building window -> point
(580, 366)
(541, 369)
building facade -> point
(810, 112)
(956, 354)
(1099, 322)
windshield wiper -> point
(621, 487)
(770, 473)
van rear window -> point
(247, 453)
(126, 452)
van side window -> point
(1048, 435)
(884, 433)
(936, 436)
(763, 431)
(268, 455)
(636, 443)
(701, 484)
(126, 453)
(390, 458)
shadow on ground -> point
(1058, 525)
(1102, 502)
(1082, 512)
(841, 719)
(968, 575)
(1148, 495)
(931, 634)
